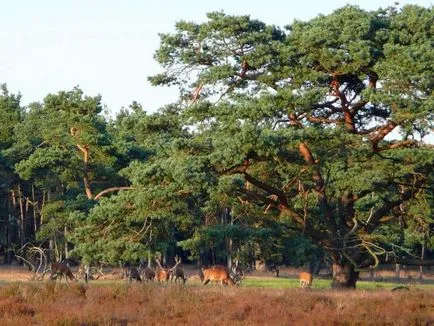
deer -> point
(217, 275)
(163, 274)
(237, 272)
(305, 280)
(147, 273)
(61, 269)
(178, 272)
(132, 273)
(201, 276)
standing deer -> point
(217, 275)
(305, 280)
(178, 272)
(61, 269)
(132, 273)
(163, 274)
(237, 273)
(147, 274)
(201, 276)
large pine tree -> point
(322, 125)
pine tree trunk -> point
(230, 242)
(66, 243)
(10, 240)
(397, 271)
(35, 207)
(344, 276)
(422, 256)
(20, 202)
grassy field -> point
(259, 301)
(324, 284)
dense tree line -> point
(287, 146)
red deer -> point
(305, 280)
(211, 267)
(148, 274)
(163, 274)
(132, 273)
(61, 269)
(217, 275)
(178, 272)
(237, 272)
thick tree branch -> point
(376, 217)
(320, 120)
(85, 150)
(380, 134)
(289, 212)
(269, 189)
(373, 78)
(106, 191)
(398, 144)
(348, 116)
(319, 187)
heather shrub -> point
(138, 304)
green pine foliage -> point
(285, 145)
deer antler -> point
(177, 262)
(157, 259)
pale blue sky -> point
(106, 47)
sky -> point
(106, 47)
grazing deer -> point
(237, 273)
(217, 275)
(211, 267)
(61, 269)
(163, 274)
(305, 280)
(178, 272)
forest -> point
(306, 145)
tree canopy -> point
(285, 144)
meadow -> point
(259, 301)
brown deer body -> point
(61, 269)
(211, 267)
(237, 277)
(162, 275)
(217, 275)
(305, 280)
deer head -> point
(163, 274)
(178, 271)
(60, 270)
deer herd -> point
(217, 273)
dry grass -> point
(261, 301)
(51, 303)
